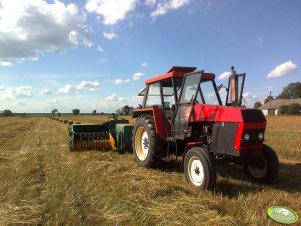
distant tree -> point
(291, 91)
(257, 104)
(54, 111)
(268, 98)
(102, 113)
(292, 109)
(75, 111)
(58, 114)
(7, 113)
(131, 110)
(94, 112)
(125, 110)
(283, 110)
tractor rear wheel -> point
(199, 168)
(148, 147)
(265, 169)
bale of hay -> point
(65, 121)
(70, 122)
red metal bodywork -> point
(157, 113)
(173, 72)
(206, 113)
(216, 113)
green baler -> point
(116, 133)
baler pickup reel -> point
(105, 136)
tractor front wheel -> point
(199, 168)
(265, 169)
(148, 147)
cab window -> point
(153, 96)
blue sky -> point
(96, 54)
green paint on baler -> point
(124, 136)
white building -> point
(274, 105)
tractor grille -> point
(252, 115)
(223, 136)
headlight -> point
(260, 136)
(246, 137)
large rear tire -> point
(148, 147)
(265, 169)
(199, 168)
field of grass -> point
(41, 182)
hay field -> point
(41, 182)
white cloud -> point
(209, 4)
(11, 93)
(114, 98)
(20, 103)
(224, 75)
(45, 92)
(137, 97)
(31, 27)
(84, 85)
(112, 11)
(260, 39)
(5, 63)
(109, 35)
(164, 6)
(249, 96)
(67, 89)
(120, 81)
(283, 69)
(7, 93)
(138, 75)
(92, 86)
(103, 60)
(150, 2)
(100, 49)
(111, 97)
(23, 91)
(144, 64)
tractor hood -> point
(215, 113)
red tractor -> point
(182, 114)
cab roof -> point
(176, 72)
(173, 72)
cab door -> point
(184, 108)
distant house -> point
(273, 107)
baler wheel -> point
(148, 147)
(199, 168)
(265, 169)
(71, 145)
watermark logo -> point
(282, 214)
